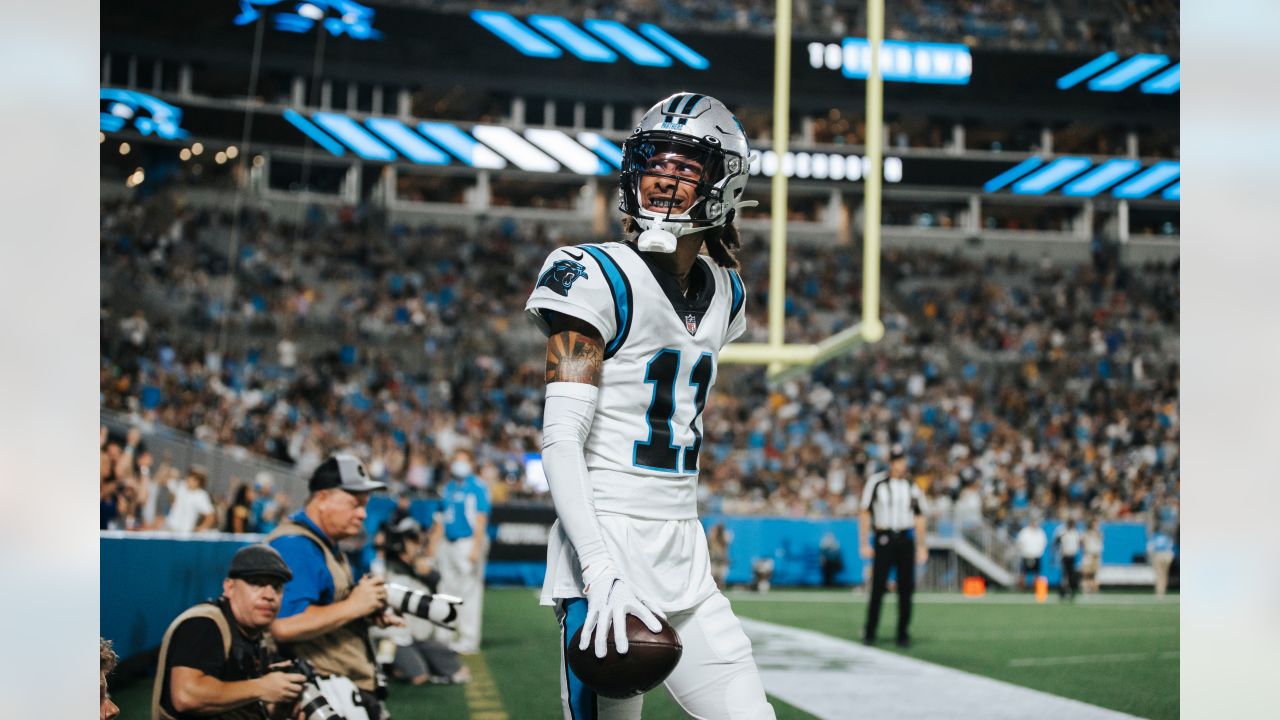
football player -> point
(633, 332)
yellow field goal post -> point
(788, 359)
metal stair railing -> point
(989, 549)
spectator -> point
(107, 710)
(830, 560)
(718, 543)
(761, 574)
(264, 507)
(192, 509)
(1092, 562)
(240, 512)
(1160, 550)
(462, 524)
(1031, 543)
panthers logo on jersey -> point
(562, 275)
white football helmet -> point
(696, 150)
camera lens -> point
(439, 609)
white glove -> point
(609, 600)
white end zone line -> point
(835, 679)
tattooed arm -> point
(575, 351)
(575, 355)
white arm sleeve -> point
(567, 416)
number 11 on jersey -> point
(658, 452)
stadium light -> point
(184, 154)
(196, 149)
(124, 148)
(232, 151)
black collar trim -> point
(700, 277)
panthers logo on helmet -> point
(562, 275)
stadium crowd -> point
(1070, 25)
(1019, 388)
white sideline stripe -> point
(1091, 659)
(948, 599)
(828, 678)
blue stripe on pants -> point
(582, 699)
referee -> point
(891, 507)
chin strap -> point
(656, 240)
(661, 237)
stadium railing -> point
(227, 467)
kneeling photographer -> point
(420, 654)
(214, 662)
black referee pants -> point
(893, 550)
(1070, 581)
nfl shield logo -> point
(691, 324)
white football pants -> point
(715, 680)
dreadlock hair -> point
(722, 242)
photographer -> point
(325, 615)
(419, 656)
(213, 659)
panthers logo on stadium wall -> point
(562, 275)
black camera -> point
(438, 608)
(311, 701)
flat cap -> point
(259, 561)
(897, 452)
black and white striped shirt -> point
(894, 504)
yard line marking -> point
(483, 701)
(826, 676)
(1091, 659)
(1134, 601)
(1047, 635)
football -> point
(650, 658)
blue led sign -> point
(1100, 178)
(1033, 177)
(683, 53)
(409, 143)
(1111, 74)
(149, 115)
(337, 17)
(578, 42)
(597, 43)
(636, 48)
(1166, 83)
(541, 150)
(1150, 180)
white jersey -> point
(659, 365)
(642, 452)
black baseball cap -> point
(897, 452)
(259, 561)
(344, 472)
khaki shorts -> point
(1089, 567)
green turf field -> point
(1119, 652)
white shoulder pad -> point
(583, 282)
